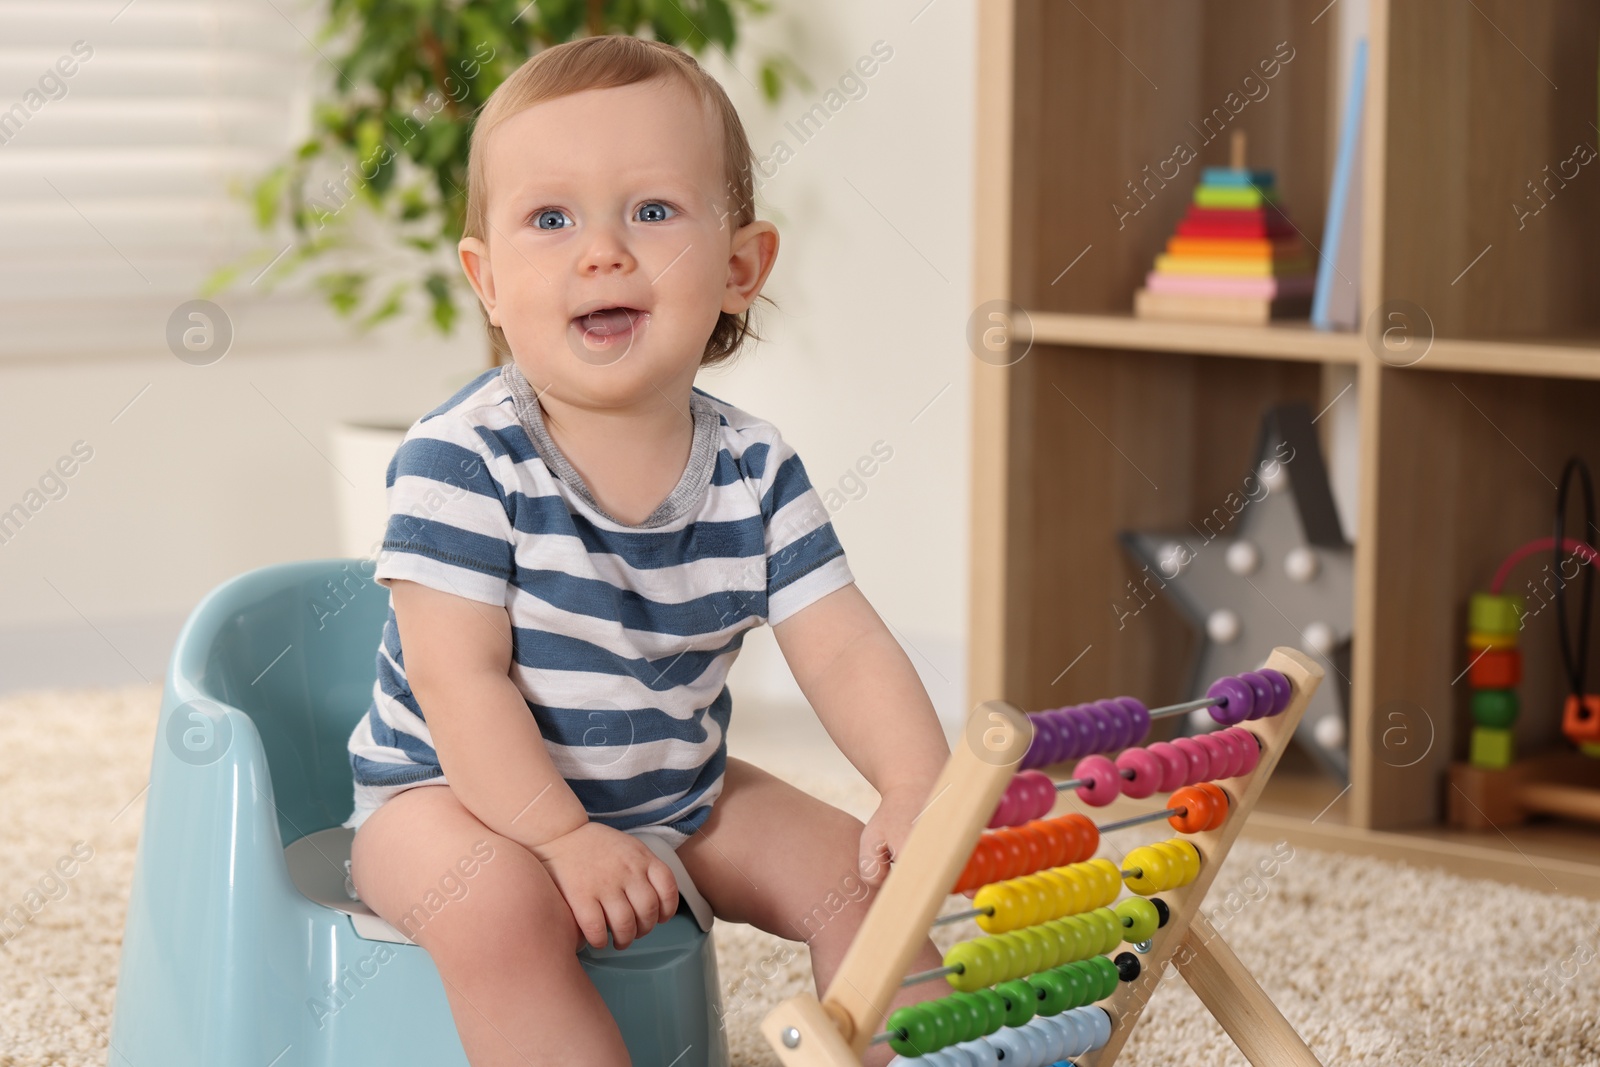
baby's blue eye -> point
(656, 204)
(539, 219)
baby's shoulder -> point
(751, 442)
(479, 419)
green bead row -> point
(984, 961)
(919, 1029)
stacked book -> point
(1235, 258)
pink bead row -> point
(1137, 772)
(1167, 765)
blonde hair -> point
(605, 62)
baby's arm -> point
(457, 661)
(873, 705)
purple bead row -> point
(1084, 729)
(1251, 695)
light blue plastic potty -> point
(244, 946)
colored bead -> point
(1102, 780)
(1150, 867)
(1250, 747)
(1005, 813)
(1106, 971)
(1492, 749)
(1494, 708)
(980, 866)
(1088, 835)
(1110, 930)
(977, 964)
(1490, 614)
(1174, 765)
(1106, 727)
(1221, 754)
(1138, 719)
(911, 1030)
(1138, 919)
(1237, 700)
(1044, 793)
(1199, 757)
(1199, 810)
(1053, 991)
(1147, 772)
(1045, 738)
(1220, 807)
(1128, 732)
(1019, 1001)
(1056, 841)
(1106, 880)
(1261, 691)
(994, 1006)
(1079, 730)
(1497, 668)
(1236, 753)
(1004, 900)
(1187, 860)
(1282, 689)
(1012, 851)
(971, 1017)
(1014, 1049)
(945, 1025)
(1477, 640)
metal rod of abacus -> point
(1186, 706)
(1135, 872)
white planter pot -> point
(361, 452)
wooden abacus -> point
(939, 854)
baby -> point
(578, 542)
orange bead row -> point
(1013, 851)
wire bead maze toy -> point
(1038, 987)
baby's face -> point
(610, 248)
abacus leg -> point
(1245, 1011)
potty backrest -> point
(295, 646)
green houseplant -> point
(374, 198)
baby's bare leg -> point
(506, 947)
(783, 861)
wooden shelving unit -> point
(1109, 422)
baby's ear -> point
(754, 251)
(475, 265)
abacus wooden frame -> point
(835, 1031)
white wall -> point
(220, 469)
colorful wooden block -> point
(1477, 639)
(1580, 719)
(1495, 668)
(1236, 176)
(1262, 247)
(1223, 196)
(1491, 614)
(1494, 708)
(1491, 749)
(1230, 266)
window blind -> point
(121, 126)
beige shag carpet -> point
(1375, 963)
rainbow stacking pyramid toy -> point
(1235, 258)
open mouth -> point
(606, 323)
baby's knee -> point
(508, 912)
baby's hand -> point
(610, 878)
(885, 833)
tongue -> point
(607, 322)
